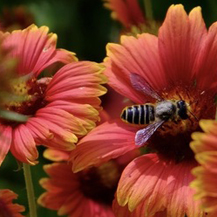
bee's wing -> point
(143, 135)
(142, 85)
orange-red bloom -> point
(88, 193)
(59, 108)
(7, 208)
(178, 65)
(127, 12)
(18, 17)
(205, 148)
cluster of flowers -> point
(98, 170)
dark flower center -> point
(29, 97)
(173, 138)
(100, 183)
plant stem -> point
(30, 190)
(148, 10)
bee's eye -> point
(181, 104)
(182, 112)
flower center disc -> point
(173, 138)
(100, 183)
(27, 98)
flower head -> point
(130, 14)
(17, 17)
(178, 66)
(126, 12)
(59, 109)
(205, 147)
(91, 189)
(88, 193)
(7, 208)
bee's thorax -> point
(165, 110)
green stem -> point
(30, 190)
(148, 9)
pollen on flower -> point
(31, 95)
(109, 174)
(19, 89)
(99, 183)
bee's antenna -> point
(193, 115)
(190, 111)
(196, 101)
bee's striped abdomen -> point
(139, 114)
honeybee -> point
(153, 115)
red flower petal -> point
(73, 204)
(158, 185)
(78, 72)
(76, 81)
(6, 138)
(23, 146)
(62, 118)
(7, 208)
(63, 139)
(206, 61)
(127, 12)
(105, 142)
(39, 130)
(139, 211)
(83, 114)
(139, 56)
(180, 38)
(56, 155)
(37, 49)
